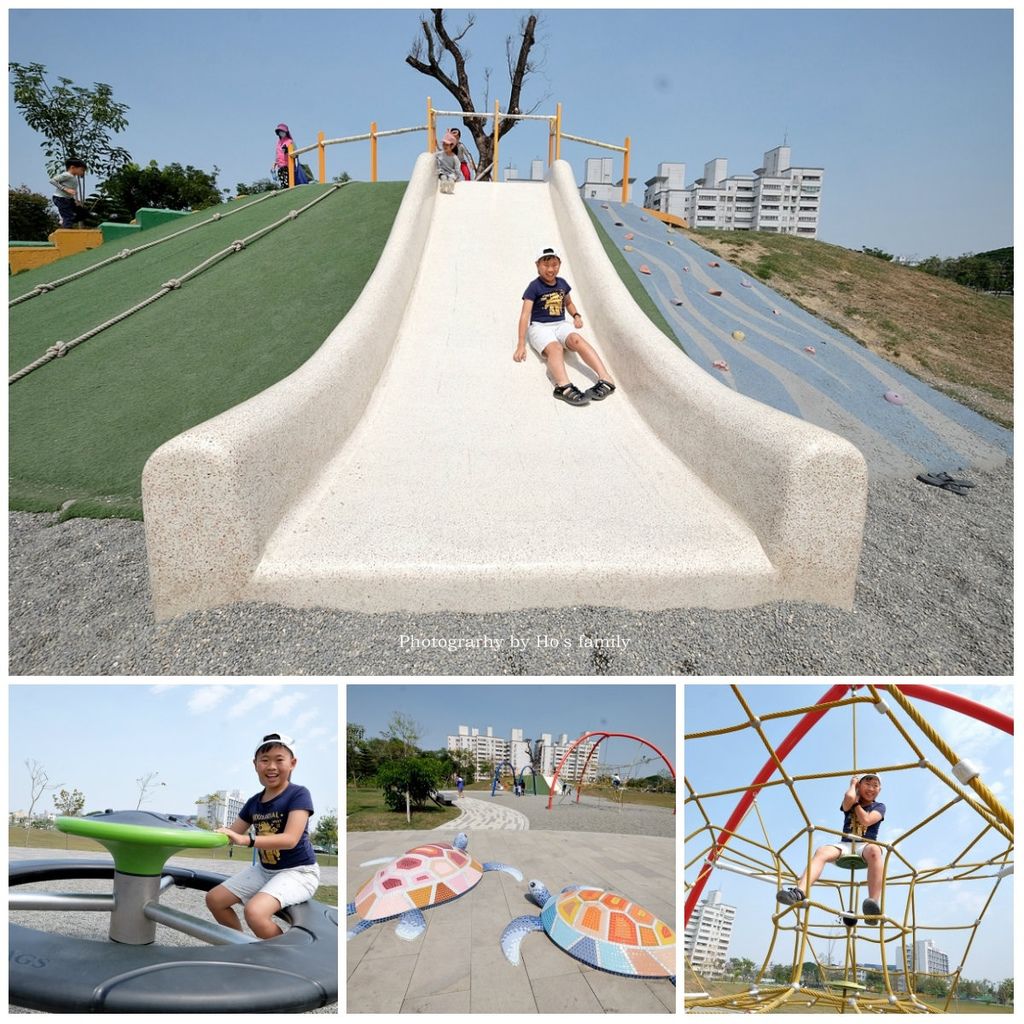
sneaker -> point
(871, 908)
(571, 394)
(790, 896)
(601, 390)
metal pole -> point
(323, 157)
(625, 174)
(373, 151)
(60, 901)
(431, 142)
(496, 171)
(208, 931)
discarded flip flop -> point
(954, 480)
(946, 483)
(721, 364)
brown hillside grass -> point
(955, 339)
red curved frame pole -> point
(604, 736)
(930, 693)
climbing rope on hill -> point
(42, 289)
(61, 348)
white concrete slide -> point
(410, 464)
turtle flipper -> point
(411, 925)
(357, 928)
(350, 909)
(515, 931)
(378, 860)
(494, 865)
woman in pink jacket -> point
(280, 165)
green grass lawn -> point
(366, 812)
(81, 427)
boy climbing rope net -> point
(862, 816)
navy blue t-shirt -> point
(548, 300)
(853, 827)
(270, 819)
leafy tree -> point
(31, 217)
(74, 121)
(405, 730)
(1004, 993)
(256, 188)
(879, 253)
(438, 43)
(162, 188)
(69, 804)
(409, 782)
(780, 973)
(326, 833)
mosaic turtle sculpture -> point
(423, 877)
(599, 928)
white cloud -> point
(284, 704)
(252, 698)
(205, 698)
(158, 688)
(305, 718)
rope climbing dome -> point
(829, 914)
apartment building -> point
(708, 933)
(221, 807)
(776, 197)
(598, 183)
(491, 749)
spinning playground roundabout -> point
(132, 971)
(946, 844)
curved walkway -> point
(479, 814)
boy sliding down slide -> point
(862, 816)
(542, 322)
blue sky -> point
(100, 739)
(644, 710)
(908, 111)
(910, 796)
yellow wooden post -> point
(321, 153)
(551, 141)
(494, 162)
(558, 131)
(291, 165)
(373, 151)
(431, 140)
(625, 173)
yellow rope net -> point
(818, 921)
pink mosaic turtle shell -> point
(422, 877)
(607, 930)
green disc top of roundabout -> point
(141, 841)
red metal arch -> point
(603, 736)
(944, 698)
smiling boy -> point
(542, 322)
(287, 872)
(862, 814)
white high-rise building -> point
(498, 750)
(221, 807)
(707, 935)
(924, 957)
(597, 183)
(776, 197)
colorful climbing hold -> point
(714, 291)
(627, 248)
(670, 242)
(642, 217)
(644, 269)
(746, 284)
(629, 236)
(604, 206)
(687, 269)
(619, 224)
(895, 397)
(721, 364)
(714, 263)
(677, 302)
(810, 348)
(738, 336)
(776, 312)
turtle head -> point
(461, 841)
(539, 892)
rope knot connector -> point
(215, 216)
(238, 245)
(124, 254)
(42, 288)
(172, 284)
(58, 349)
(292, 214)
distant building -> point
(491, 749)
(708, 933)
(597, 180)
(221, 807)
(924, 957)
(776, 197)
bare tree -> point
(426, 55)
(146, 783)
(40, 782)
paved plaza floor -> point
(457, 965)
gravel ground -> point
(95, 925)
(934, 597)
(592, 814)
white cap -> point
(278, 737)
(545, 253)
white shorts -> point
(288, 886)
(541, 335)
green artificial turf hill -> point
(81, 427)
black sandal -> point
(601, 390)
(571, 394)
